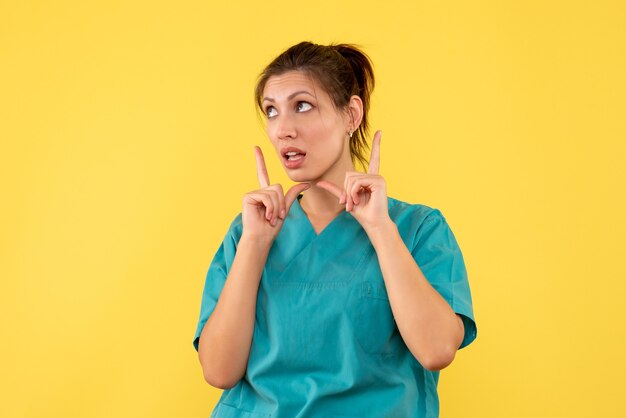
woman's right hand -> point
(264, 210)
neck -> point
(320, 202)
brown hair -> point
(342, 70)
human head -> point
(342, 70)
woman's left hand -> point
(365, 195)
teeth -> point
(292, 153)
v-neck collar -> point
(296, 205)
(298, 251)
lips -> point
(293, 157)
(288, 152)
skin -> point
(309, 120)
(301, 114)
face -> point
(309, 134)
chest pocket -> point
(374, 326)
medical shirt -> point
(325, 342)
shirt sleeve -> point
(216, 276)
(438, 255)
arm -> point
(430, 328)
(428, 325)
(224, 345)
(225, 340)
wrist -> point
(380, 231)
(257, 241)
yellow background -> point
(127, 133)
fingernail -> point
(274, 222)
(282, 213)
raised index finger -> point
(261, 170)
(375, 156)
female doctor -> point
(332, 299)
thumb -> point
(293, 193)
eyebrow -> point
(291, 96)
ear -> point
(354, 113)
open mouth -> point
(293, 156)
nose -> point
(285, 128)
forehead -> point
(281, 86)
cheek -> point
(275, 145)
(332, 139)
(272, 136)
(326, 133)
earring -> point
(350, 133)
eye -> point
(304, 106)
(270, 111)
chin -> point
(300, 176)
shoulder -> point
(413, 214)
(415, 220)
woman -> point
(332, 299)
